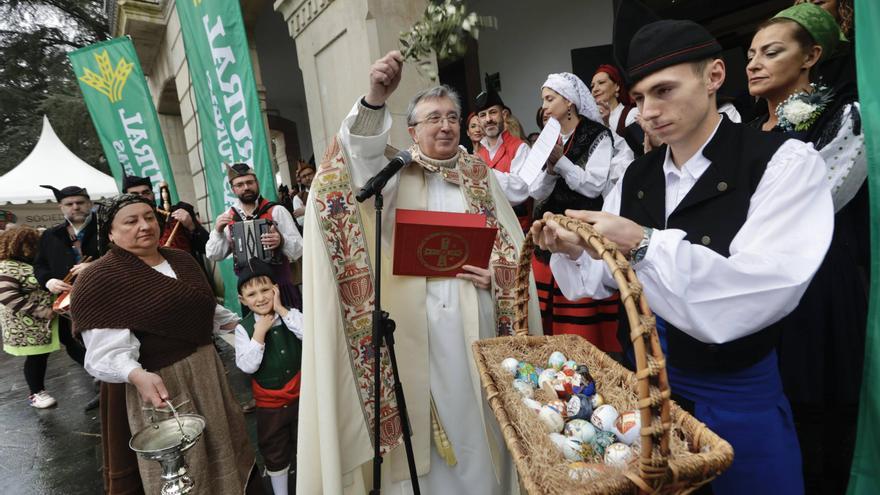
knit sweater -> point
(170, 317)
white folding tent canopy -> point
(50, 162)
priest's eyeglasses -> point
(436, 120)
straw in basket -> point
(677, 453)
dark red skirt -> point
(592, 319)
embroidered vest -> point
(711, 214)
(504, 155)
(282, 355)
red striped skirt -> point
(592, 319)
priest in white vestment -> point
(437, 318)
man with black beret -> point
(192, 237)
(724, 226)
(62, 250)
(503, 152)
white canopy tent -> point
(50, 162)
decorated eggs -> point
(604, 417)
(567, 446)
(556, 360)
(580, 429)
(510, 365)
(627, 427)
(618, 455)
(551, 419)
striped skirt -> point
(592, 319)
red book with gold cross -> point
(438, 244)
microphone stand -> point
(383, 330)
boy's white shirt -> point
(249, 352)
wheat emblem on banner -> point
(110, 81)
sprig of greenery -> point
(443, 29)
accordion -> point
(246, 243)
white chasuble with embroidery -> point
(437, 321)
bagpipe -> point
(169, 237)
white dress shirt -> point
(249, 352)
(112, 353)
(591, 181)
(717, 299)
(513, 186)
(219, 246)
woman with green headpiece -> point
(822, 343)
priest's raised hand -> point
(384, 78)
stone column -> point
(336, 42)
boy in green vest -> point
(268, 346)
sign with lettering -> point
(228, 108)
(119, 101)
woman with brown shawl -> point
(147, 315)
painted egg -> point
(570, 365)
(551, 419)
(546, 376)
(597, 400)
(601, 441)
(604, 417)
(532, 404)
(568, 447)
(580, 429)
(578, 407)
(628, 426)
(584, 372)
(524, 388)
(618, 455)
(526, 371)
(510, 365)
(558, 405)
(557, 359)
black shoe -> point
(93, 404)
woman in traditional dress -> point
(619, 113)
(578, 172)
(26, 311)
(474, 132)
(147, 315)
(823, 339)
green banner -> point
(119, 101)
(230, 121)
(865, 476)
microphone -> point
(377, 182)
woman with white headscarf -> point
(577, 174)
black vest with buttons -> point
(711, 214)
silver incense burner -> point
(165, 442)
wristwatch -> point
(638, 253)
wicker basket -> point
(678, 453)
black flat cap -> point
(643, 44)
(134, 181)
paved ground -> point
(57, 451)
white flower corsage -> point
(800, 110)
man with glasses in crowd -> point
(283, 234)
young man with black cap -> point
(191, 238)
(725, 226)
(62, 249)
(283, 234)
(503, 152)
